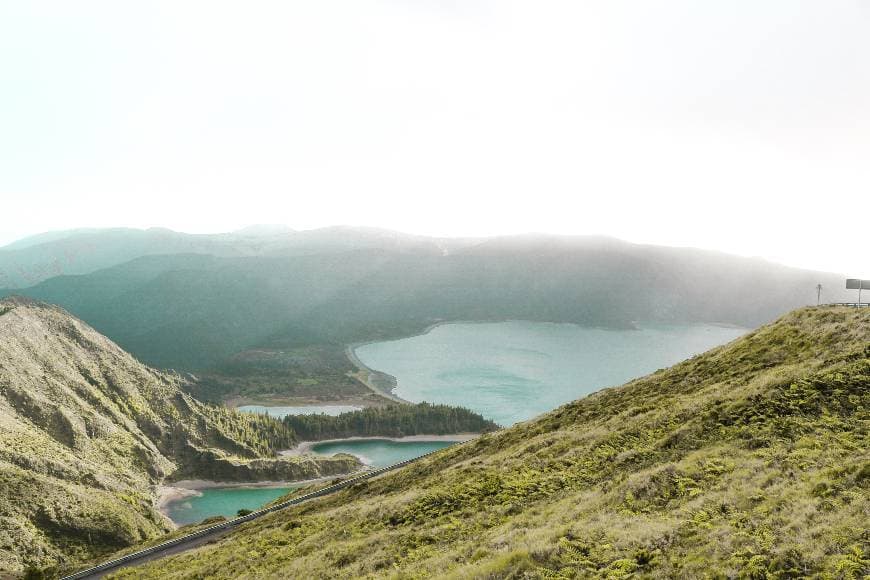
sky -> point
(740, 126)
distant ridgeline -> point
(233, 298)
(390, 421)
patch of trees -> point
(244, 434)
(390, 421)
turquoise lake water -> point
(227, 501)
(513, 371)
(280, 412)
(380, 452)
(508, 371)
(221, 501)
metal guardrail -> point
(129, 558)
(851, 304)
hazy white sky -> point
(742, 126)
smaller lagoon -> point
(221, 501)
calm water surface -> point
(380, 452)
(513, 371)
(221, 501)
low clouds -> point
(741, 127)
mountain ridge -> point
(31, 260)
(363, 294)
(267, 318)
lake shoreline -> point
(369, 376)
(170, 493)
(514, 370)
(178, 490)
(281, 411)
(304, 447)
(384, 384)
(235, 402)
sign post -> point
(857, 284)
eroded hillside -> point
(86, 431)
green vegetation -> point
(270, 318)
(308, 374)
(749, 461)
(390, 421)
(253, 435)
(86, 432)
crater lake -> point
(513, 371)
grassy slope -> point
(86, 431)
(750, 460)
(318, 374)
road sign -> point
(857, 284)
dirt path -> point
(373, 379)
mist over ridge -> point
(192, 301)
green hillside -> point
(751, 460)
(86, 432)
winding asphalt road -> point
(213, 533)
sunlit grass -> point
(748, 461)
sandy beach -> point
(305, 446)
(167, 494)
